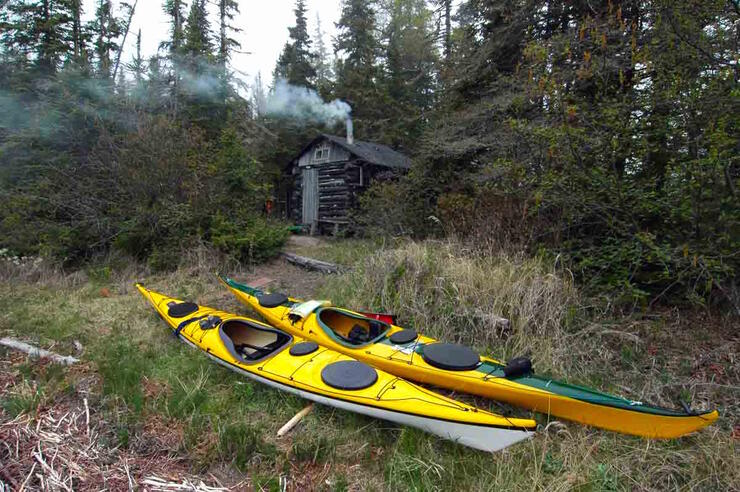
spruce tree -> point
(324, 71)
(410, 77)
(174, 10)
(197, 45)
(227, 10)
(358, 72)
(107, 28)
(41, 33)
(296, 62)
(137, 66)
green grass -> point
(220, 419)
(341, 251)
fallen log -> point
(38, 352)
(312, 264)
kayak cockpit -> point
(249, 342)
(349, 328)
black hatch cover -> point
(181, 309)
(450, 356)
(303, 348)
(403, 336)
(272, 300)
(349, 375)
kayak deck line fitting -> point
(289, 362)
(426, 360)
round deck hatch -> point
(450, 356)
(349, 375)
(303, 348)
(403, 336)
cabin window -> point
(321, 153)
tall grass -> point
(503, 304)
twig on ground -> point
(296, 418)
(159, 484)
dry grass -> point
(451, 294)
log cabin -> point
(331, 172)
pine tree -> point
(77, 37)
(296, 62)
(259, 96)
(197, 43)
(324, 71)
(227, 9)
(41, 33)
(107, 28)
(410, 69)
(174, 10)
(357, 70)
(202, 82)
(137, 66)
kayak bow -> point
(290, 363)
(410, 355)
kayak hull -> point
(386, 399)
(487, 379)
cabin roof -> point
(374, 153)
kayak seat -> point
(349, 328)
(250, 342)
(272, 300)
(358, 334)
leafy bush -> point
(250, 238)
(148, 191)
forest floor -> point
(141, 411)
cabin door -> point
(310, 196)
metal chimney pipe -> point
(350, 132)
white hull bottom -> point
(475, 436)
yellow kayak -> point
(292, 364)
(410, 355)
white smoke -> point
(305, 104)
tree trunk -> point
(125, 35)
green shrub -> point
(251, 238)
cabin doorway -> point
(310, 197)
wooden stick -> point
(296, 418)
(37, 352)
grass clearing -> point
(157, 397)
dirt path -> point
(279, 275)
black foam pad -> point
(404, 336)
(272, 300)
(450, 356)
(349, 375)
(181, 309)
(518, 366)
(303, 348)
